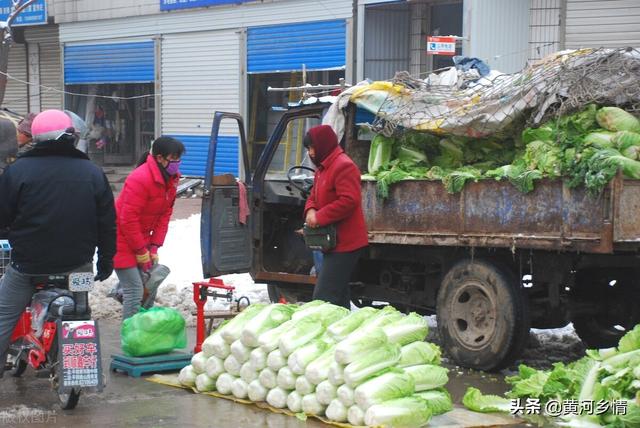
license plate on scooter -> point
(81, 281)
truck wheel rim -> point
(473, 315)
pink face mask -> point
(173, 167)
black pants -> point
(333, 280)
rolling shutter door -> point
(281, 48)
(16, 97)
(109, 63)
(201, 74)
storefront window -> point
(120, 117)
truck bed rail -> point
(496, 214)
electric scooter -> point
(57, 337)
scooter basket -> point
(5, 255)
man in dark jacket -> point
(8, 144)
(58, 207)
(8, 154)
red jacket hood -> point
(324, 141)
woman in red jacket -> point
(336, 198)
(143, 210)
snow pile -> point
(550, 346)
(181, 253)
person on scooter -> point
(144, 209)
(58, 207)
(8, 144)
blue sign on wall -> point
(186, 4)
(35, 14)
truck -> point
(490, 262)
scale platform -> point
(137, 366)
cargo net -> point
(461, 103)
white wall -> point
(200, 74)
(88, 10)
(497, 32)
(215, 18)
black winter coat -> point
(58, 207)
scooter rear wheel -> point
(19, 366)
(69, 401)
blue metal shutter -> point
(109, 63)
(318, 45)
(194, 161)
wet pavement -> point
(186, 207)
(134, 402)
(126, 402)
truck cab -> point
(490, 261)
(269, 245)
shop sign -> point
(441, 46)
(35, 14)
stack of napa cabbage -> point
(364, 367)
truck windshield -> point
(290, 151)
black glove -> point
(105, 269)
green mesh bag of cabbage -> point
(152, 332)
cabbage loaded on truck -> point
(498, 203)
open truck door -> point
(224, 239)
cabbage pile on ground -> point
(603, 388)
(587, 149)
(368, 367)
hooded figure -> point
(24, 135)
(322, 141)
(8, 143)
(336, 199)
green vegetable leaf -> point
(439, 400)
(380, 153)
(474, 400)
(417, 353)
(630, 341)
(402, 412)
(546, 132)
(616, 119)
(455, 180)
(428, 376)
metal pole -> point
(304, 81)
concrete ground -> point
(135, 402)
(126, 402)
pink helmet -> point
(50, 125)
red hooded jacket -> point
(337, 191)
(143, 210)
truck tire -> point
(483, 318)
(596, 334)
(292, 294)
(618, 310)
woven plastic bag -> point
(154, 331)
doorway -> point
(445, 19)
(120, 118)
